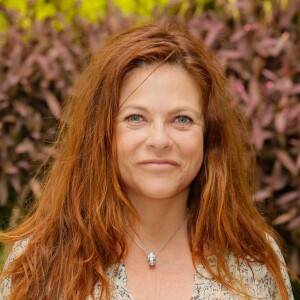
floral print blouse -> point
(257, 280)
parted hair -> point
(76, 230)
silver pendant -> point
(151, 259)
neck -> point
(159, 218)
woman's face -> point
(159, 132)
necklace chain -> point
(152, 255)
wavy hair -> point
(77, 228)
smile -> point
(159, 163)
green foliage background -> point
(92, 10)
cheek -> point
(129, 141)
(124, 149)
(122, 160)
(193, 146)
(195, 154)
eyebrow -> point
(175, 111)
(133, 107)
(184, 109)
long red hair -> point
(77, 228)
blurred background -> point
(45, 44)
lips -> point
(159, 162)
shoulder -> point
(256, 276)
(17, 250)
(5, 283)
(283, 267)
(276, 248)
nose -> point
(158, 137)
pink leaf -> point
(280, 44)
(281, 121)
(25, 146)
(53, 104)
(259, 135)
(23, 109)
(11, 170)
(287, 161)
(263, 195)
(213, 34)
(288, 197)
(24, 165)
(298, 161)
(294, 223)
(36, 187)
(267, 116)
(254, 92)
(286, 217)
(278, 178)
(15, 183)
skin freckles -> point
(159, 133)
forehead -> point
(153, 82)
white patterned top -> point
(257, 280)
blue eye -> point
(183, 119)
(134, 118)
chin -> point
(159, 192)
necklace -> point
(151, 255)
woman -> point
(150, 195)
